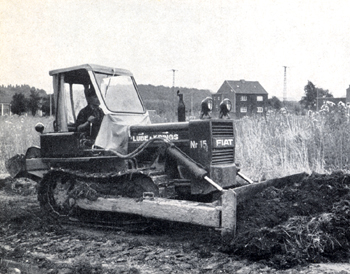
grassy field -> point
(283, 144)
(266, 147)
(17, 134)
(277, 146)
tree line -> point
(27, 99)
(307, 102)
(160, 98)
(165, 100)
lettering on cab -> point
(143, 138)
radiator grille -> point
(224, 155)
(222, 129)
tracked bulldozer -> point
(182, 171)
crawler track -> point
(59, 189)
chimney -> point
(348, 95)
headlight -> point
(225, 108)
(207, 106)
(39, 127)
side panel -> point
(59, 144)
(176, 133)
(201, 142)
(212, 144)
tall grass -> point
(266, 147)
(277, 146)
(283, 144)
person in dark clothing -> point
(90, 117)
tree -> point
(34, 101)
(293, 107)
(18, 104)
(309, 101)
(274, 103)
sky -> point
(200, 42)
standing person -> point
(90, 117)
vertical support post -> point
(228, 215)
(50, 105)
(173, 89)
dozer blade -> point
(248, 191)
(159, 208)
(16, 165)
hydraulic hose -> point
(174, 152)
(186, 161)
(196, 170)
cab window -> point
(75, 101)
(119, 93)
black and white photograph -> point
(174, 136)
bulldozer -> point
(182, 171)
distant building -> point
(322, 100)
(247, 97)
(5, 104)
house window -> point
(243, 109)
(259, 98)
(259, 110)
(244, 98)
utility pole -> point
(174, 79)
(285, 85)
(174, 95)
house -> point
(5, 104)
(247, 97)
(322, 100)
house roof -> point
(242, 87)
(5, 98)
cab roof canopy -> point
(94, 68)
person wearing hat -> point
(90, 117)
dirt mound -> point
(303, 222)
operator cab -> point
(118, 99)
(115, 89)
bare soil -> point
(303, 222)
(30, 242)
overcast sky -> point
(207, 42)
